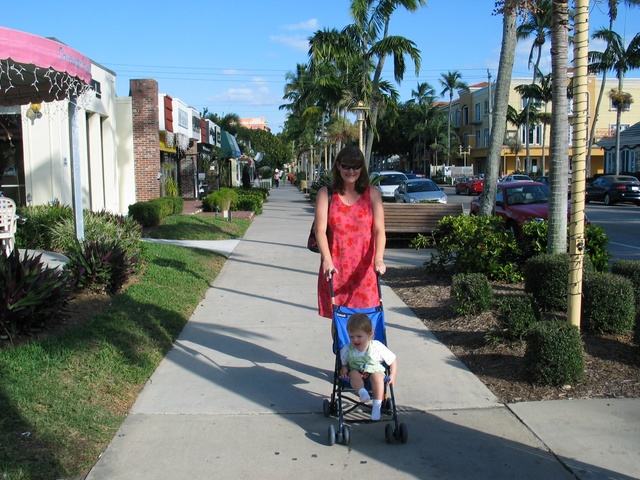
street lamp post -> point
(464, 153)
(360, 109)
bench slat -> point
(417, 218)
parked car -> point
(612, 189)
(470, 186)
(517, 177)
(545, 180)
(419, 190)
(387, 182)
(519, 202)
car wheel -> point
(608, 200)
(457, 190)
(468, 191)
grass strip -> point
(64, 397)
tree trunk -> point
(559, 145)
(499, 116)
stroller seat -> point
(343, 399)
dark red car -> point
(470, 186)
(518, 203)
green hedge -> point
(472, 293)
(608, 303)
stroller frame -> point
(342, 392)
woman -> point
(350, 236)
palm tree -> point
(538, 25)
(422, 101)
(559, 168)
(368, 40)
(451, 82)
(620, 59)
(602, 62)
(509, 11)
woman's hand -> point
(379, 267)
(328, 269)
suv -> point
(387, 182)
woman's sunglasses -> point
(350, 167)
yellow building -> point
(471, 121)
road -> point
(621, 223)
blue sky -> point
(232, 56)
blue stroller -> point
(343, 399)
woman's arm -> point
(321, 220)
(379, 235)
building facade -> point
(471, 120)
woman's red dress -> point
(350, 234)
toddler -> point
(362, 358)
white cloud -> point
(308, 25)
(297, 42)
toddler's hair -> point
(359, 321)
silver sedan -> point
(419, 190)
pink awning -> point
(35, 69)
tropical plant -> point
(451, 82)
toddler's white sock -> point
(364, 395)
(375, 410)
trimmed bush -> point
(546, 277)
(472, 293)
(146, 214)
(608, 303)
(631, 270)
(517, 314)
(554, 354)
(249, 200)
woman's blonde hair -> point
(350, 155)
(359, 321)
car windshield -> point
(421, 187)
(391, 179)
(527, 194)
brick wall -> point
(146, 138)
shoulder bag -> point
(312, 243)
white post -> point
(74, 120)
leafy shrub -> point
(473, 244)
(608, 304)
(533, 241)
(472, 293)
(222, 198)
(36, 234)
(169, 205)
(516, 315)
(101, 266)
(546, 278)
(554, 354)
(31, 295)
(250, 200)
(101, 227)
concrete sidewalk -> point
(240, 394)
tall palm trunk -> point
(558, 172)
(499, 120)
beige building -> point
(471, 121)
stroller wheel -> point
(326, 407)
(386, 405)
(346, 435)
(404, 433)
(332, 435)
(388, 433)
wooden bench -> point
(417, 217)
